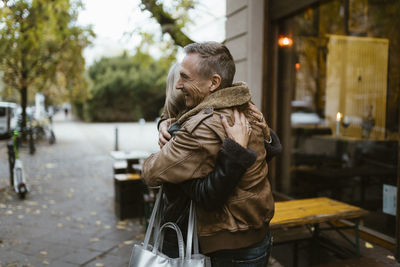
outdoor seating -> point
(119, 167)
(304, 219)
(128, 185)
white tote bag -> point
(146, 255)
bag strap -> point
(192, 233)
(181, 243)
(154, 220)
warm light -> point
(338, 116)
(285, 41)
(297, 66)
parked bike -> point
(43, 129)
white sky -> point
(113, 21)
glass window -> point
(338, 110)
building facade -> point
(326, 75)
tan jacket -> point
(192, 153)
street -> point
(68, 217)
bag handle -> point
(181, 244)
(154, 219)
(192, 233)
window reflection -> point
(345, 58)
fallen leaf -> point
(93, 213)
(140, 237)
(391, 257)
(45, 262)
(99, 264)
(50, 165)
(20, 216)
(52, 201)
(98, 222)
(94, 239)
(81, 226)
(59, 225)
(9, 212)
(128, 242)
(2, 206)
(43, 253)
(368, 245)
(107, 227)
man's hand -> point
(163, 134)
(240, 130)
(260, 121)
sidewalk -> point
(68, 217)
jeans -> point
(256, 255)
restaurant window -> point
(338, 83)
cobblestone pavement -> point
(68, 217)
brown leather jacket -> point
(192, 153)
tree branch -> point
(167, 22)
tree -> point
(127, 88)
(171, 23)
(41, 48)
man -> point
(238, 231)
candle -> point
(338, 117)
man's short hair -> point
(215, 58)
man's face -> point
(193, 86)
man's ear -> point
(215, 82)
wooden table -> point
(314, 211)
(131, 157)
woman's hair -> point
(174, 100)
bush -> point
(126, 88)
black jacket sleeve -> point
(212, 191)
(273, 146)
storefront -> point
(330, 88)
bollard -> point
(116, 139)
(32, 147)
(11, 161)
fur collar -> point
(236, 95)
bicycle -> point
(43, 129)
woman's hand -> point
(260, 121)
(240, 130)
(163, 134)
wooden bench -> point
(131, 158)
(119, 167)
(296, 214)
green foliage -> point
(41, 49)
(172, 16)
(127, 88)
